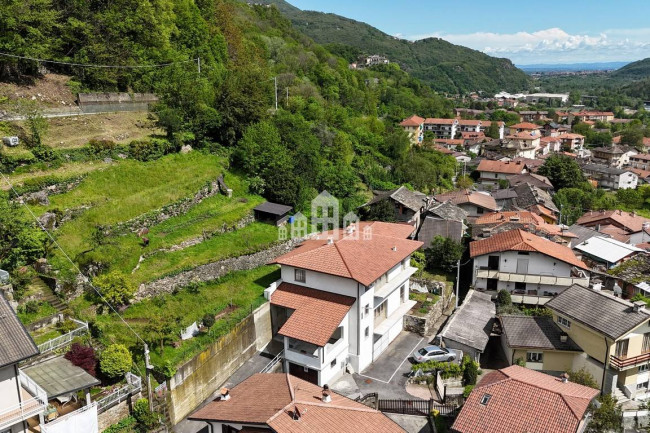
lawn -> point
(248, 240)
(243, 290)
(129, 189)
(43, 309)
(35, 175)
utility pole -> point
(561, 209)
(199, 63)
(457, 281)
(148, 367)
(287, 97)
(275, 81)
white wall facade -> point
(9, 397)
(537, 264)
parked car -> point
(435, 353)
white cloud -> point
(555, 45)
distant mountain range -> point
(445, 66)
(570, 67)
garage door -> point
(308, 374)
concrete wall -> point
(8, 387)
(116, 413)
(205, 373)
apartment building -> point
(341, 298)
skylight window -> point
(485, 399)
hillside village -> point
(282, 236)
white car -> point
(435, 353)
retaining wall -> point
(200, 377)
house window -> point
(621, 348)
(366, 333)
(299, 275)
(534, 357)
(402, 294)
(333, 363)
(523, 253)
(643, 368)
(485, 399)
(520, 287)
(380, 313)
(645, 347)
(493, 263)
(563, 322)
(479, 210)
(366, 310)
(643, 385)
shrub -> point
(143, 415)
(468, 390)
(114, 288)
(447, 369)
(583, 377)
(82, 356)
(66, 326)
(470, 371)
(504, 298)
(101, 148)
(31, 307)
(149, 150)
(443, 253)
(126, 425)
(115, 361)
(208, 320)
(520, 362)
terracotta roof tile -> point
(466, 196)
(500, 167)
(413, 120)
(519, 240)
(627, 220)
(432, 121)
(363, 259)
(525, 125)
(523, 400)
(271, 399)
(317, 313)
(518, 216)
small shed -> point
(272, 212)
(469, 328)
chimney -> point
(565, 378)
(394, 248)
(225, 394)
(330, 241)
(638, 306)
(326, 394)
(563, 337)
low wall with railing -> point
(65, 339)
(634, 419)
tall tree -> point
(563, 172)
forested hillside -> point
(445, 66)
(636, 70)
(335, 129)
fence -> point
(269, 367)
(406, 407)
(133, 385)
(65, 339)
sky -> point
(527, 32)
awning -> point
(58, 376)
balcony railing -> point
(28, 407)
(623, 362)
(530, 278)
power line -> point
(76, 268)
(92, 65)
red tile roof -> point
(413, 120)
(524, 217)
(317, 313)
(487, 123)
(627, 220)
(643, 174)
(519, 240)
(523, 400)
(500, 167)
(641, 156)
(525, 125)
(570, 136)
(467, 135)
(466, 196)
(466, 122)
(272, 398)
(364, 256)
(594, 113)
(450, 141)
(437, 121)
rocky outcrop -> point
(212, 271)
(37, 198)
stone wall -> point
(212, 271)
(200, 377)
(116, 413)
(423, 324)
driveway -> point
(387, 375)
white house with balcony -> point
(21, 399)
(533, 269)
(341, 298)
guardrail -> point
(273, 363)
(64, 339)
(133, 385)
(31, 386)
(620, 363)
(45, 428)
